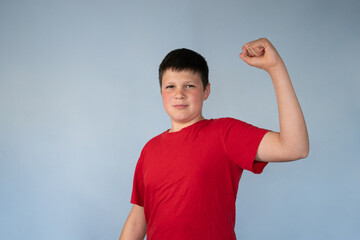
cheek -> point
(199, 96)
(165, 98)
(197, 99)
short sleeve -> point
(137, 196)
(241, 141)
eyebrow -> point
(187, 82)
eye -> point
(169, 86)
(190, 86)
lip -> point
(180, 106)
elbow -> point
(296, 153)
(302, 149)
(306, 150)
(303, 153)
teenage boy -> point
(186, 179)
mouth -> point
(180, 106)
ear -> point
(207, 91)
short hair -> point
(185, 59)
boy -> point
(186, 179)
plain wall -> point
(79, 98)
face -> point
(183, 95)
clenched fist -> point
(261, 54)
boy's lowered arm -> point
(135, 226)
(292, 142)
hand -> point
(261, 54)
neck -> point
(176, 126)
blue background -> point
(79, 97)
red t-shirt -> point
(187, 181)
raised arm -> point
(292, 142)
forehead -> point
(179, 76)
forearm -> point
(135, 225)
(132, 231)
(293, 135)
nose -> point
(179, 94)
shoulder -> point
(237, 128)
(222, 126)
(228, 121)
(153, 141)
(222, 120)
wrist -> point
(277, 68)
